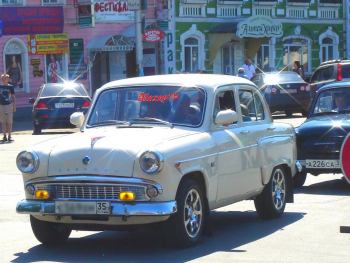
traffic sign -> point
(345, 158)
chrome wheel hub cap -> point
(193, 213)
(278, 189)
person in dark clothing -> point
(7, 106)
(298, 68)
(15, 73)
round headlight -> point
(27, 162)
(151, 162)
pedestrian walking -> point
(249, 68)
(298, 68)
(7, 106)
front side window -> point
(149, 105)
(247, 104)
(296, 49)
(191, 55)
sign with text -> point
(43, 44)
(77, 71)
(259, 26)
(153, 35)
(112, 11)
(31, 20)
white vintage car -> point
(160, 148)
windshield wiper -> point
(110, 122)
(149, 119)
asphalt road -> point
(307, 232)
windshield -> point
(277, 78)
(149, 104)
(333, 101)
(63, 89)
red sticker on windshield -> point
(145, 97)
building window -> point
(11, 2)
(263, 58)
(52, 2)
(329, 42)
(296, 49)
(191, 55)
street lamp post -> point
(139, 41)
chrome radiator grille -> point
(94, 191)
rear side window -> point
(326, 73)
(346, 70)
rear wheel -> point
(299, 179)
(272, 201)
(36, 128)
(49, 233)
(187, 224)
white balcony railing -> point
(264, 11)
(52, 2)
(192, 10)
(328, 13)
(229, 11)
(296, 12)
(11, 2)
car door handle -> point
(244, 132)
(271, 128)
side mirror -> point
(226, 117)
(31, 100)
(77, 119)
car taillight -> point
(86, 104)
(339, 75)
(41, 106)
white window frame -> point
(53, 2)
(335, 38)
(193, 33)
(309, 58)
(18, 3)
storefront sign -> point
(44, 44)
(76, 50)
(259, 26)
(153, 35)
(31, 20)
(37, 72)
(77, 71)
(108, 11)
(169, 53)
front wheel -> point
(186, 226)
(49, 233)
(299, 179)
(272, 201)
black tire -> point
(299, 179)
(36, 129)
(183, 234)
(49, 233)
(288, 113)
(272, 201)
(304, 113)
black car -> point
(284, 91)
(328, 72)
(56, 102)
(320, 137)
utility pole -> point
(139, 41)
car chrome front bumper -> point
(39, 207)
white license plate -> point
(64, 105)
(82, 208)
(325, 164)
(291, 91)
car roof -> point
(208, 81)
(335, 85)
(62, 84)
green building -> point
(217, 35)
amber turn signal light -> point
(126, 196)
(42, 194)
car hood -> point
(107, 151)
(326, 125)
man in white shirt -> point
(249, 68)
